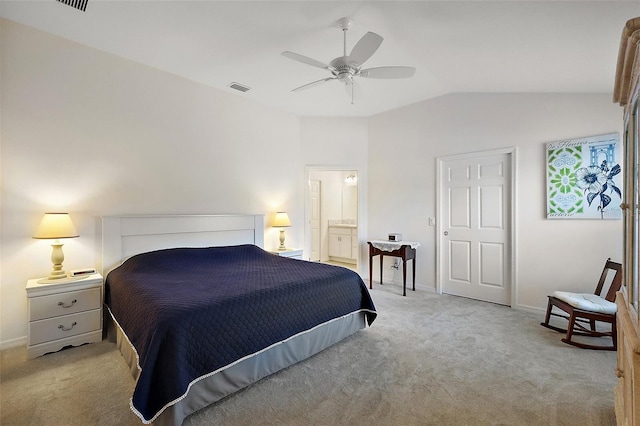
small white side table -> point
(292, 253)
(62, 313)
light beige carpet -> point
(427, 360)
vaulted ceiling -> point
(455, 46)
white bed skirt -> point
(214, 386)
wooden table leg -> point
(381, 263)
(370, 267)
(414, 271)
(404, 277)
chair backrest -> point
(616, 282)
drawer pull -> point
(61, 327)
(67, 306)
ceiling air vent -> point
(78, 4)
(240, 87)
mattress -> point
(209, 321)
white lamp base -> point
(57, 257)
(282, 247)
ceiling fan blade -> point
(388, 72)
(305, 60)
(313, 84)
(365, 47)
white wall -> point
(92, 134)
(404, 145)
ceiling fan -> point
(344, 68)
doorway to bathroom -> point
(332, 217)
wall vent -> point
(240, 87)
(78, 4)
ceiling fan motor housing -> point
(343, 69)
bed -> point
(199, 310)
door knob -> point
(446, 233)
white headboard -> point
(125, 236)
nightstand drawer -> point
(64, 303)
(60, 327)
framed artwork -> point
(584, 178)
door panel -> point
(491, 208)
(459, 211)
(460, 266)
(476, 205)
(491, 264)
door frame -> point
(308, 169)
(311, 209)
(439, 240)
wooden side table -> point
(404, 250)
(62, 313)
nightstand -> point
(66, 312)
(292, 253)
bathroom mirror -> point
(350, 200)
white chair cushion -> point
(587, 302)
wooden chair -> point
(579, 308)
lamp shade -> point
(281, 220)
(54, 226)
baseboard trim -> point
(531, 309)
(8, 344)
(519, 307)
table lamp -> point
(53, 227)
(281, 221)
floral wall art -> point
(584, 178)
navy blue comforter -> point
(192, 311)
